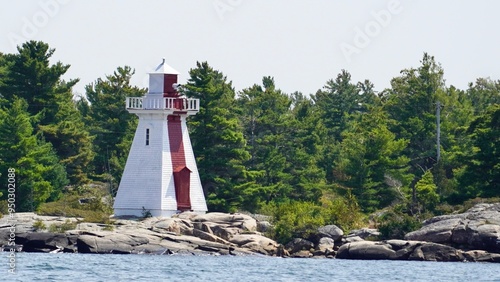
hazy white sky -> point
(301, 44)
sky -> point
(302, 44)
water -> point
(88, 267)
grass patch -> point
(91, 204)
(63, 227)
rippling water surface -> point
(87, 267)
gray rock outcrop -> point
(187, 233)
(477, 228)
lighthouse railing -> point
(163, 103)
(134, 103)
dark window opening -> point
(147, 136)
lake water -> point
(88, 267)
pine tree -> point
(30, 75)
(335, 103)
(481, 175)
(39, 175)
(287, 171)
(369, 155)
(411, 102)
(427, 195)
(217, 140)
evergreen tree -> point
(29, 75)
(308, 178)
(335, 103)
(218, 142)
(39, 175)
(484, 93)
(481, 176)
(412, 104)
(282, 142)
(338, 99)
(369, 154)
(427, 195)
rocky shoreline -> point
(470, 236)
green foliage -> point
(63, 227)
(411, 103)
(481, 176)
(108, 227)
(39, 175)
(30, 76)
(427, 195)
(368, 153)
(297, 219)
(395, 224)
(96, 208)
(38, 225)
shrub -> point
(342, 211)
(108, 227)
(395, 224)
(146, 213)
(61, 228)
(295, 219)
(97, 208)
(39, 225)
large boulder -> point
(324, 247)
(366, 250)
(481, 256)
(439, 231)
(299, 244)
(365, 234)
(399, 250)
(263, 226)
(46, 242)
(256, 243)
(171, 225)
(109, 242)
(477, 228)
(242, 221)
(330, 231)
(436, 252)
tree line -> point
(260, 148)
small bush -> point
(146, 213)
(61, 228)
(395, 224)
(39, 225)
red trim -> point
(181, 172)
(168, 89)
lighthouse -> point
(161, 175)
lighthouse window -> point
(147, 136)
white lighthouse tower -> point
(161, 175)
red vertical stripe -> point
(168, 89)
(181, 172)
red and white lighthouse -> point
(161, 175)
